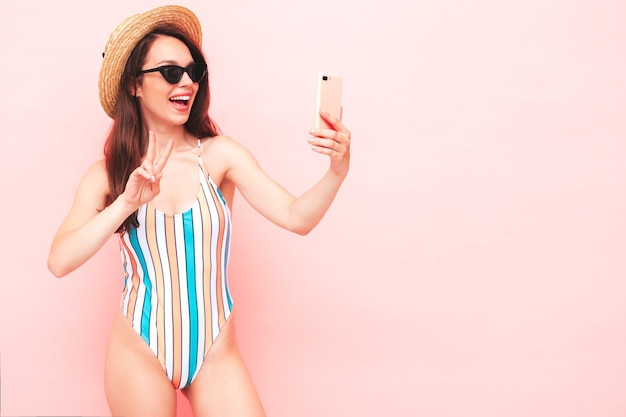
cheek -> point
(150, 88)
(155, 96)
(196, 88)
(152, 102)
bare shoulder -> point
(97, 175)
(229, 162)
(225, 152)
(98, 169)
(222, 143)
(95, 184)
(90, 199)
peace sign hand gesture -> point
(144, 182)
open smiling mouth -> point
(180, 101)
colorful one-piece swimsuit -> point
(176, 292)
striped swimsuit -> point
(175, 292)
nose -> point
(185, 80)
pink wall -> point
(473, 263)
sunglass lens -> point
(196, 72)
(172, 73)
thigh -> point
(134, 381)
(224, 387)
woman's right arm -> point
(88, 225)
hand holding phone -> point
(329, 88)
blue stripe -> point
(147, 301)
(225, 267)
(191, 293)
(125, 274)
(219, 193)
(225, 259)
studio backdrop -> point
(472, 264)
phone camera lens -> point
(325, 77)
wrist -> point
(340, 173)
(121, 205)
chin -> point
(179, 119)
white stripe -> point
(214, 219)
(184, 296)
(142, 238)
(167, 295)
(225, 270)
(223, 258)
(140, 289)
(199, 263)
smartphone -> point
(328, 98)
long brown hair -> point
(127, 141)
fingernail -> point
(311, 140)
(312, 131)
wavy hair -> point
(127, 140)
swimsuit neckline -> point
(193, 204)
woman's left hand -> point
(334, 142)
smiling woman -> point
(165, 187)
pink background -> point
(472, 264)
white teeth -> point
(181, 98)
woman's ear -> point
(135, 88)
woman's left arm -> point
(297, 214)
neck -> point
(182, 139)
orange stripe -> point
(124, 262)
(135, 284)
(176, 312)
(220, 237)
(206, 273)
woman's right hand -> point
(91, 222)
(144, 182)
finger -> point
(145, 174)
(329, 134)
(335, 125)
(321, 149)
(334, 122)
(343, 138)
(163, 158)
(333, 145)
(149, 159)
(326, 143)
(333, 153)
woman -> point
(165, 187)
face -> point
(160, 101)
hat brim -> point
(127, 35)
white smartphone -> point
(328, 97)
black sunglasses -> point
(174, 73)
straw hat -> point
(127, 35)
